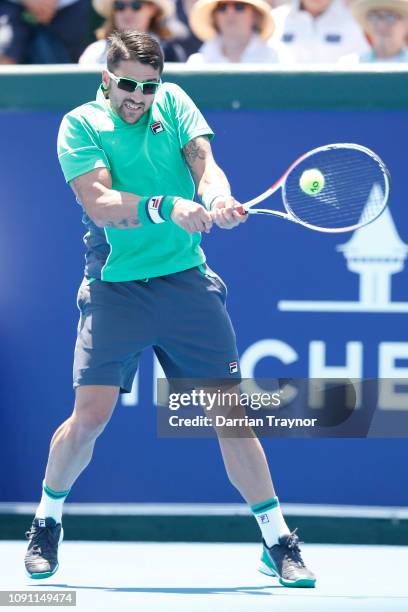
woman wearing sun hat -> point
(232, 31)
(153, 16)
(386, 25)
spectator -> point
(316, 31)
(386, 24)
(233, 31)
(145, 16)
(43, 31)
(189, 41)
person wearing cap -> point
(316, 31)
(153, 16)
(386, 25)
(232, 31)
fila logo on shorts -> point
(263, 518)
(153, 209)
(156, 127)
(233, 367)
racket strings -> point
(354, 191)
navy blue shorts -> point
(182, 316)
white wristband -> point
(211, 194)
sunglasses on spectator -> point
(136, 5)
(384, 16)
(237, 6)
(130, 85)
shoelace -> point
(292, 543)
(44, 535)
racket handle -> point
(241, 210)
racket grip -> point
(241, 210)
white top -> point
(301, 38)
(370, 58)
(60, 4)
(256, 51)
(95, 53)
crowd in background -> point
(208, 31)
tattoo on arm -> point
(123, 223)
(194, 152)
(207, 175)
(106, 207)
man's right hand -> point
(191, 217)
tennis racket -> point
(351, 189)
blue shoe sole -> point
(302, 583)
(42, 575)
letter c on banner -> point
(259, 350)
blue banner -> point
(303, 304)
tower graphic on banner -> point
(375, 252)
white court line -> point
(125, 509)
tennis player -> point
(133, 159)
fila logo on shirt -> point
(263, 518)
(41, 522)
(156, 127)
(233, 367)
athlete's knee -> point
(93, 409)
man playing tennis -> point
(143, 261)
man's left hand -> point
(224, 214)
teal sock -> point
(51, 503)
(270, 520)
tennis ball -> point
(312, 181)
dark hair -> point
(137, 46)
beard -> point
(131, 111)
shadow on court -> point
(248, 590)
(251, 590)
(108, 576)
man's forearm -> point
(123, 210)
(213, 183)
(109, 207)
(209, 179)
(117, 209)
(106, 207)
